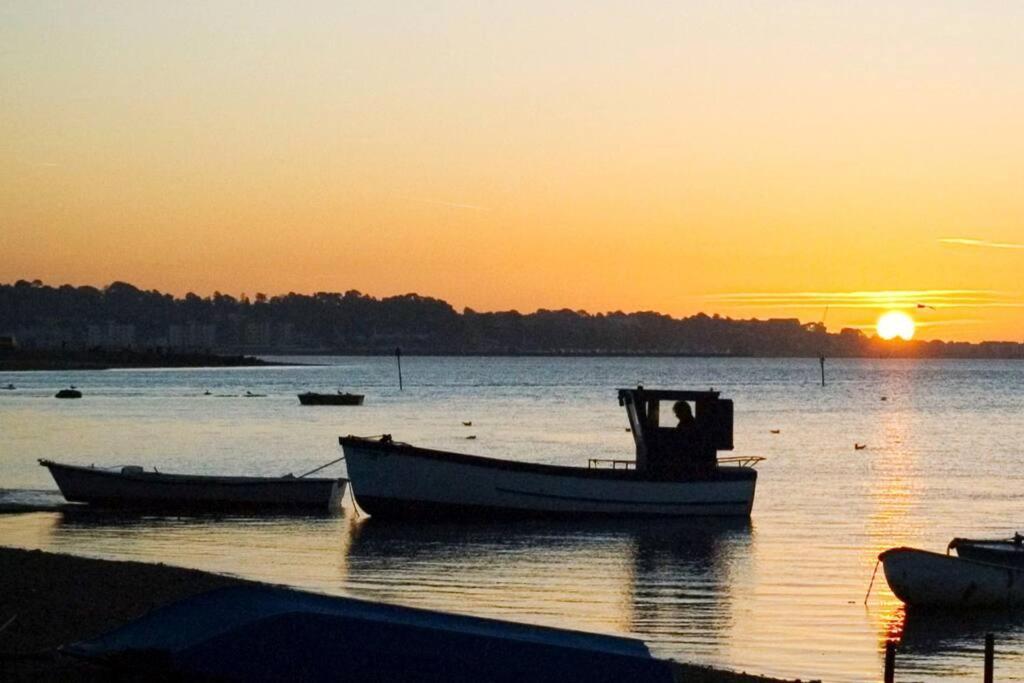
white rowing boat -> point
(925, 579)
(133, 487)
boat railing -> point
(741, 460)
(612, 463)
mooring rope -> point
(321, 467)
(877, 562)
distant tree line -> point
(35, 315)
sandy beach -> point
(48, 600)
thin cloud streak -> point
(909, 299)
(924, 324)
(962, 241)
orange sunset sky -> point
(748, 158)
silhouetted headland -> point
(160, 328)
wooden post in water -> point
(990, 655)
(398, 357)
(890, 662)
(821, 358)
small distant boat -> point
(1003, 551)
(925, 579)
(249, 394)
(676, 473)
(859, 446)
(68, 393)
(10, 387)
(311, 398)
(133, 487)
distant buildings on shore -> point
(34, 316)
(192, 336)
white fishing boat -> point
(675, 473)
(133, 487)
(925, 579)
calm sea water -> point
(781, 594)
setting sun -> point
(895, 324)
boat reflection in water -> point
(298, 550)
(668, 581)
(675, 583)
(936, 642)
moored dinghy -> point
(676, 472)
(925, 579)
(133, 487)
(311, 398)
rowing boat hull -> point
(926, 579)
(111, 488)
(397, 480)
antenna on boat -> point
(398, 357)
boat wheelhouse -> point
(675, 471)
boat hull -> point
(151, 490)
(926, 579)
(310, 399)
(397, 480)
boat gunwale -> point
(719, 474)
(952, 558)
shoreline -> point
(28, 361)
(48, 600)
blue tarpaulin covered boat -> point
(263, 633)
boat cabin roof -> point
(665, 395)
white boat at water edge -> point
(133, 487)
(676, 472)
(926, 579)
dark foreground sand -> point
(47, 600)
